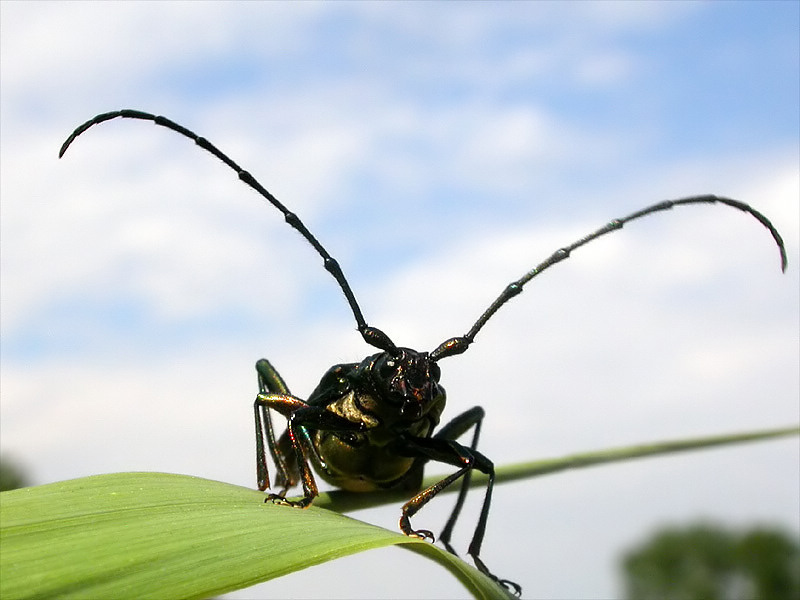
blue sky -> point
(439, 151)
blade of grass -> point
(342, 501)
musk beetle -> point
(372, 425)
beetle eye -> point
(387, 368)
(435, 371)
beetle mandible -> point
(372, 425)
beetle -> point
(372, 425)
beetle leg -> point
(290, 406)
(454, 429)
(451, 452)
(301, 417)
(270, 381)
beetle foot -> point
(422, 534)
(512, 587)
(281, 501)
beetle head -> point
(407, 379)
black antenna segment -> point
(457, 345)
(372, 335)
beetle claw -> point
(512, 587)
(423, 534)
(281, 501)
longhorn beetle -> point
(372, 425)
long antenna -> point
(457, 345)
(372, 335)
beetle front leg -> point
(446, 451)
(302, 417)
(291, 406)
(451, 452)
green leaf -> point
(152, 535)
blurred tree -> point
(709, 562)
(772, 560)
(11, 476)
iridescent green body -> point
(367, 450)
